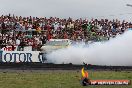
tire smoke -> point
(115, 52)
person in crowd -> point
(14, 30)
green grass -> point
(58, 79)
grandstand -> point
(34, 31)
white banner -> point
(20, 56)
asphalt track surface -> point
(51, 66)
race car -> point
(54, 44)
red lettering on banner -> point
(8, 48)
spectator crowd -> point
(35, 31)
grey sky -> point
(68, 8)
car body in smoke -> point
(55, 44)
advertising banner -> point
(21, 56)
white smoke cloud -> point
(115, 52)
